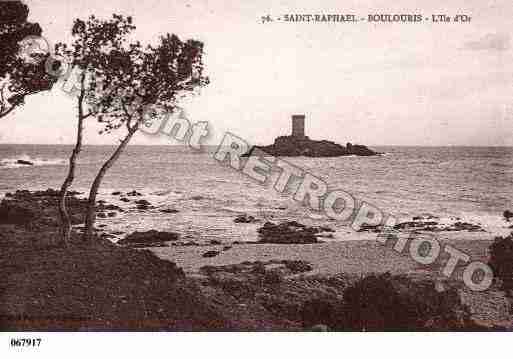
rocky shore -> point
(105, 286)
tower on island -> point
(298, 126)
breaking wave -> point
(6, 163)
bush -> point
(319, 312)
(396, 303)
(12, 213)
(501, 261)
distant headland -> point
(298, 144)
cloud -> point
(496, 42)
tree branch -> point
(88, 115)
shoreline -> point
(238, 287)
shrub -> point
(396, 303)
(501, 261)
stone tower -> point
(298, 126)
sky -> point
(370, 83)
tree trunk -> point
(63, 211)
(65, 218)
(91, 205)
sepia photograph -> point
(255, 166)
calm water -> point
(474, 183)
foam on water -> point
(8, 163)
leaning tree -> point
(131, 85)
(22, 73)
(93, 40)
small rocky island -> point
(297, 144)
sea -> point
(471, 184)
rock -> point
(326, 229)
(134, 194)
(143, 207)
(293, 146)
(117, 193)
(210, 254)
(461, 226)
(26, 163)
(287, 233)
(111, 207)
(112, 214)
(197, 198)
(150, 238)
(227, 248)
(124, 199)
(143, 202)
(101, 215)
(297, 266)
(244, 218)
(507, 215)
(215, 242)
(169, 210)
(370, 228)
(40, 209)
(191, 244)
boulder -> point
(370, 228)
(210, 254)
(507, 215)
(169, 210)
(287, 233)
(244, 218)
(134, 194)
(297, 266)
(26, 163)
(113, 207)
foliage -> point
(396, 303)
(21, 74)
(501, 260)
